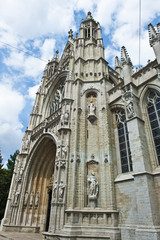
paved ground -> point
(20, 236)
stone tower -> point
(88, 167)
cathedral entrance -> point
(49, 209)
(36, 211)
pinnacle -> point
(125, 56)
(152, 33)
(158, 27)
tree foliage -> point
(5, 180)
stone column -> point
(147, 206)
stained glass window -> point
(153, 108)
(124, 146)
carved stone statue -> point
(25, 143)
(21, 173)
(65, 118)
(37, 199)
(16, 197)
(31, 199)
(64, 152)
(93, 186)
(58, 152)
(61, 191)
(55, 186)
(91, 108)
(26, 199)
(127, 97)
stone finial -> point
(125, 59)
(98, 25)
(70, 34)
(56, 57)
(89, 15)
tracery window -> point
(124, 146)
(56, 102)
(153, 108)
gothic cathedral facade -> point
(89, 164)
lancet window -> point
(124, 145)
(153, 108)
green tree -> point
(5, 180)
(1, 159)
(11, 162)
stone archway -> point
(39, 185)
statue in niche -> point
(65, 118)
(61, 191)
(91, 108)
(93, 186)
(58, 153)
(31, 199)
(25, 143)
(64, 152)
(20, 173)
(55, 186)
(16, 197)
(26, 199)
(37, 199)
(127, 97)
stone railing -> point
(88, 217)
(113, 72)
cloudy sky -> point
(32, 30)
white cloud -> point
(32, 92)
(31, 66)
(47, 48)
(11, 104)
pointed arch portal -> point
(36, 211)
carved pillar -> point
(59, 189)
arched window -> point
(124, 146)
(153, 108)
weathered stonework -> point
(70, 180)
